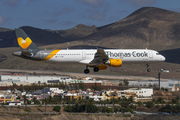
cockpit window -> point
(157, 54)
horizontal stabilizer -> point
(23, 53)
(26, 53)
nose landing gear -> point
(148, 68)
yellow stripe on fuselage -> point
(52, 54)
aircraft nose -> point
(163, 58)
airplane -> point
(98, 59)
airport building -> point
(6, 80)
(169, 84)
(29, 79)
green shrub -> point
(28, 102)
(157, 106)
(125, 104)
(116, 109)
(170, 109)
(27, 110)
(140, 103)
(57, 108)
(129, 110)
(39, 109)
(122, 110)
(104, 109)
(68, 108)
(160, 100)
(149, 104)
(109, 110)
(91, 108)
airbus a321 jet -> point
(98, 59)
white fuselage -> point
(126, 55)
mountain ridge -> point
(153, 28)
(136, 27)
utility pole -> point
(159, 75)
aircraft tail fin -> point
(25, 43)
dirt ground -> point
(6, 116)
(67, 116)
(167, 96)
(31, 109)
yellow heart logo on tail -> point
(24, 43)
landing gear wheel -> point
(86, 71)
(149, 70)
(96, 69)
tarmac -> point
(96, 76)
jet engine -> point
(114, 62)
(102, 67)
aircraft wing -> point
(100, 57)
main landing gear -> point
(148, 68)
(86, 71)
(96, 69)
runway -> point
(96, 76)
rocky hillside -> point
(4, 29)
(77, 32)
(148, 27)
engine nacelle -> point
(102, 67)
(114, 62)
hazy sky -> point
(65, 14)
